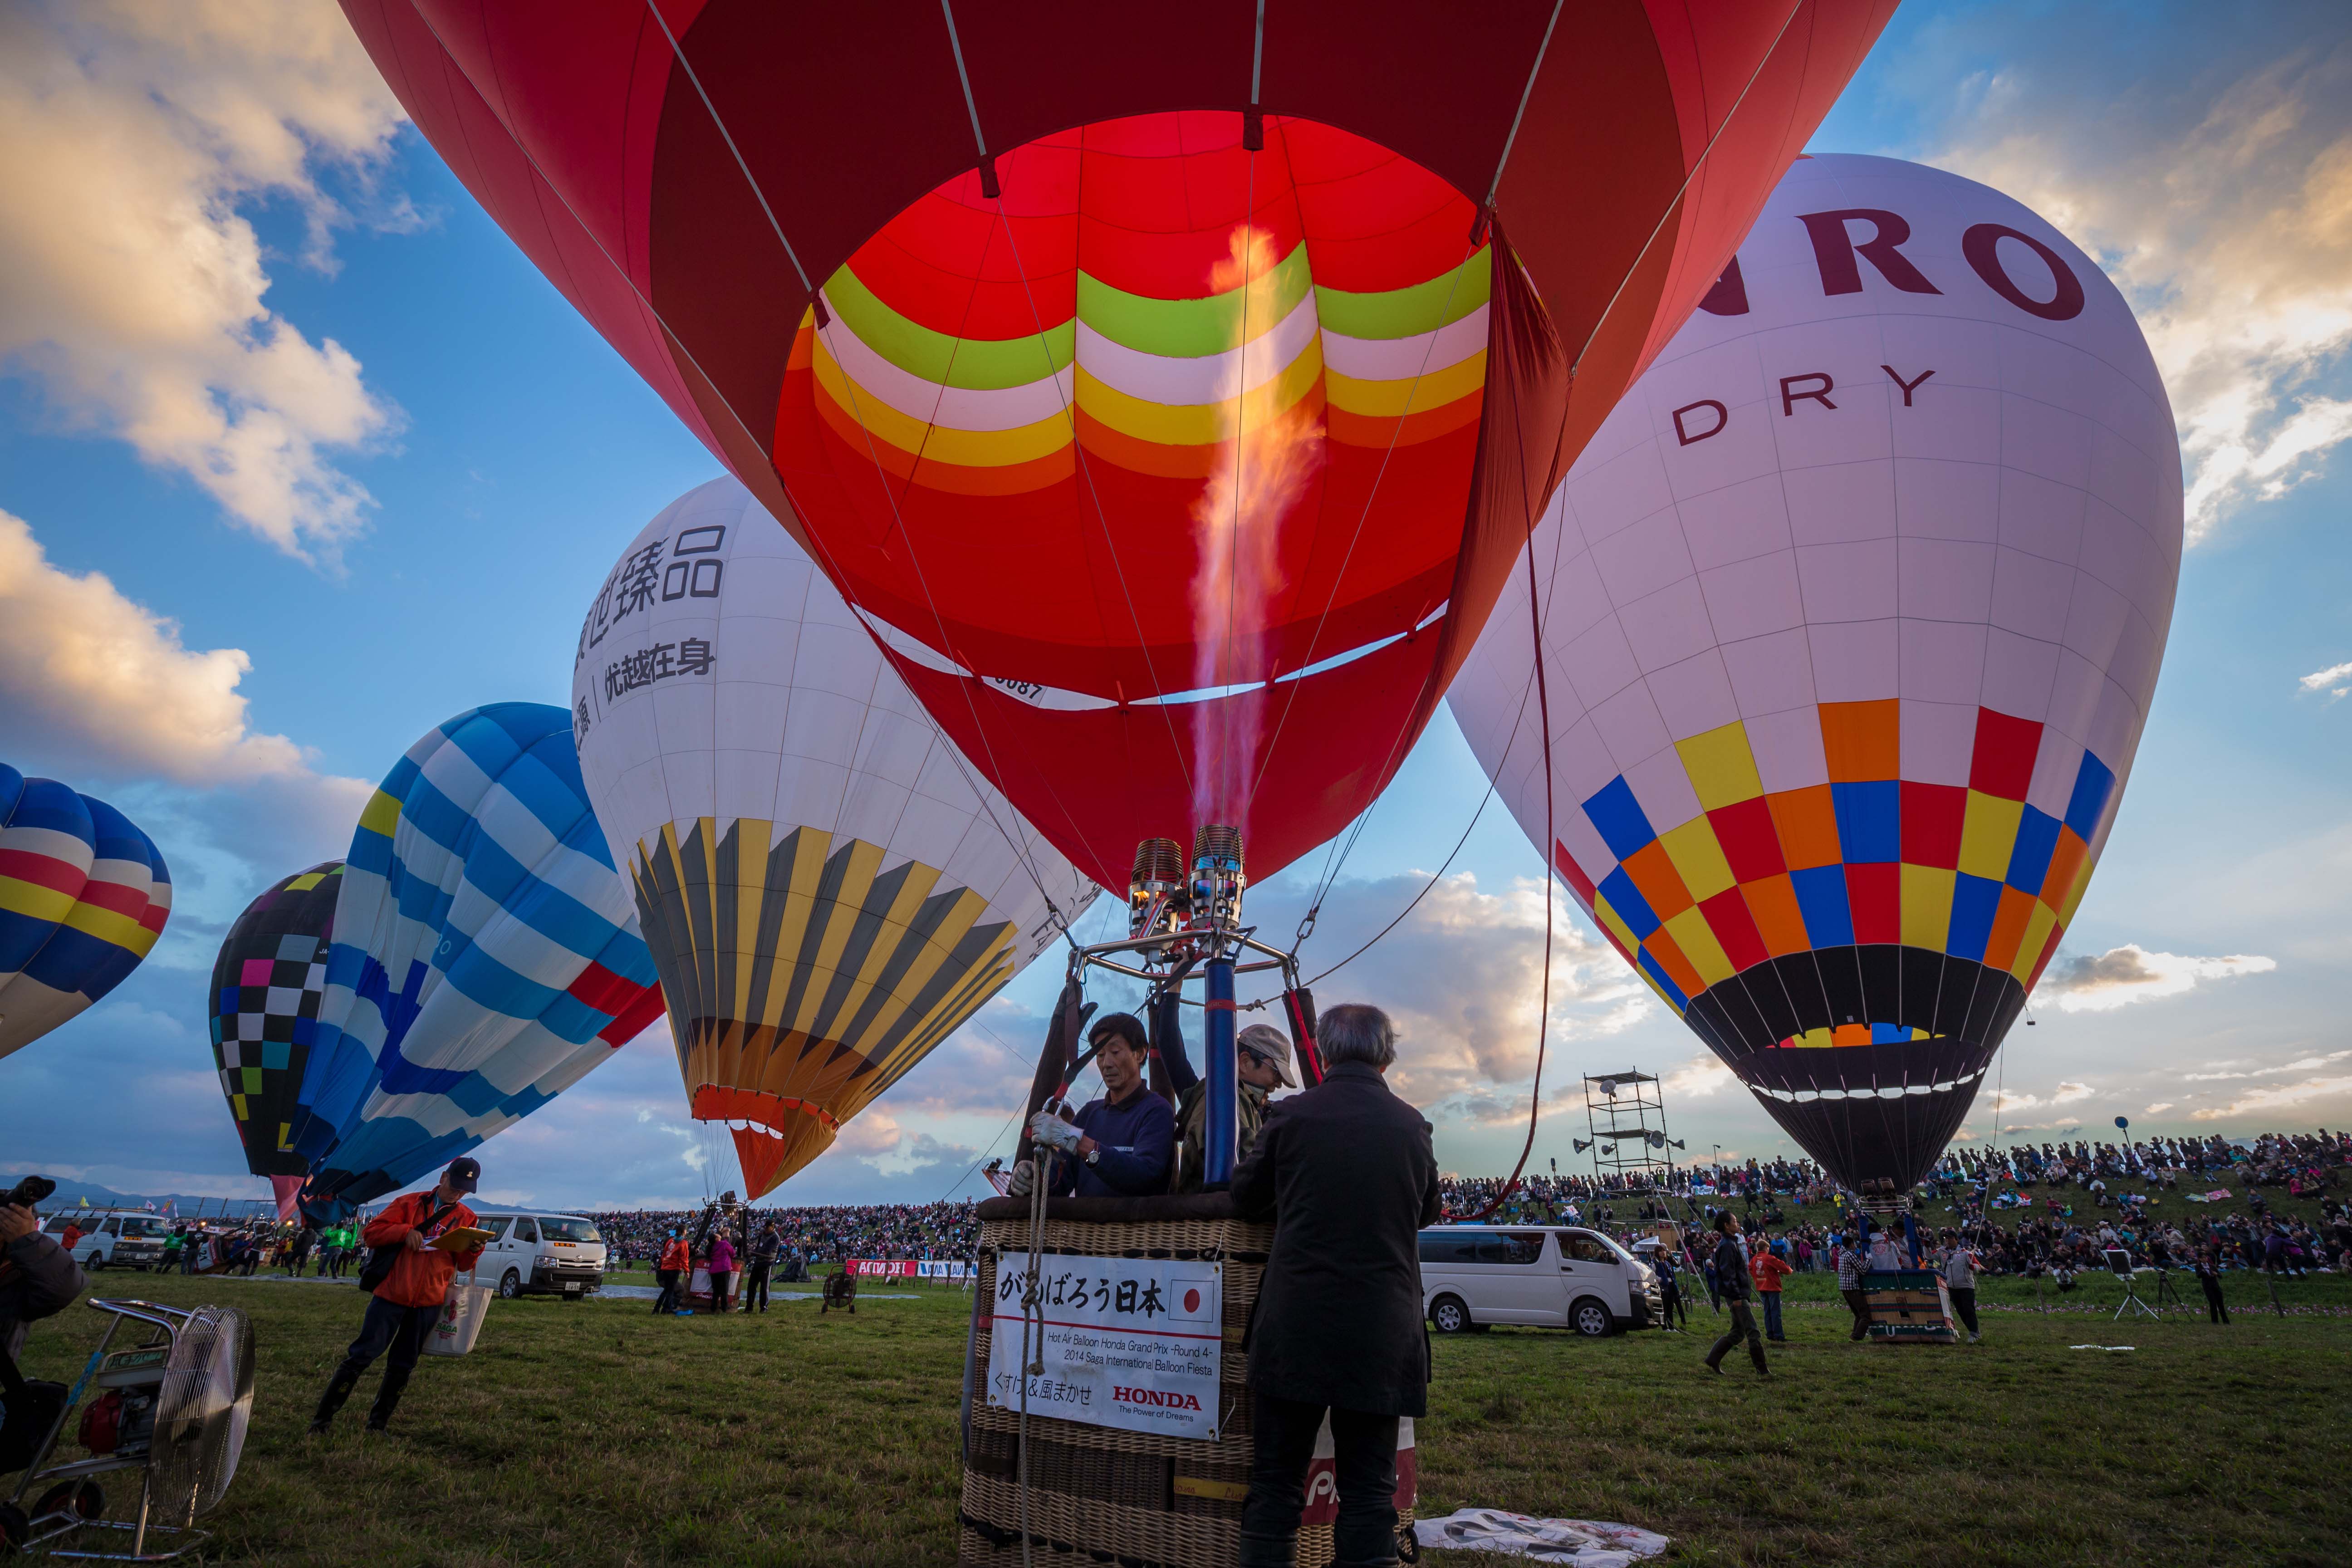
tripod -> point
(2167, 1295)
(2132, 1301)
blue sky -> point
(270, 371)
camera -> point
(29, 1192)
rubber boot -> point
(388, 1398)
(338, 1389)
(1268, 1551)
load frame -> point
(1184, 928)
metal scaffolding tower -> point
(1626, 1114)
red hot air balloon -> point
(1169, 398)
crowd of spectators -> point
(812, 1236)
(2052, 1209)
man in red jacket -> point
(405, 1305)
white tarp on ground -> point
(1582, 1542)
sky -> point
(298, 456)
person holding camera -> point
(38, 1277)
(409, 1283)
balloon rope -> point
(1543, 1020)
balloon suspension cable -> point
(677, 345)
(1543, 1020)
(1307, 926)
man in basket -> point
(408, 1279)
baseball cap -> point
(463, 1173)
(1266, 1040)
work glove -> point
(1051, 1132)
(1024, 1178)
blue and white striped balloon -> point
(485, 955)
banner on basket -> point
(1131, 1342)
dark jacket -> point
(37, 1279)
(1139, 1142)
(1347, 1171)
(1731, 1271)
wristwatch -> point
(1094, 1155)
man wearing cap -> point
(1262, 1062)
(408, 1299)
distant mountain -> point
(69, 1194)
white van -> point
(132, 1238)
(1473, 1276)
(541, 1254)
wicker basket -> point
(1140, 1496)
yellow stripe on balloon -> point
(1201, 423)
(106, 925)
(382, 815)
(33, 901)
(939, 443)
(1418, 395)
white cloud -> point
(2303, 1064)
(2276, 1097)
(2335, 681)
(1702, 1075)
(2220, 201)
(2066, 1093)
(99, 689)
(2101, 983)
(88, 674)
(134, 297)
(1463, 978)
(2158, 1107)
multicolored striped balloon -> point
(1852, 617)
(83, 896)
(485, 954)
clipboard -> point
(462, 1239)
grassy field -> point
(596, 1432)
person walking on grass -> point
(408, 1299)
(1960, 1267)
(1732, 1281)
(1852, 1265)
(1766, 1268)
(672, 1267)
(764, 1248)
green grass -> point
(596, 1432)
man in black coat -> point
(1738, 1294)
(1347, 1171)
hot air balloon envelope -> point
(83, 896)
(484, 955)
(829, 889)
(1172, 399)
(1852, 611)
(267, 984)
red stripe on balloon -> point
(42, 871)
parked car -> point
(1473, 1276)
(541, 1254)
(132, 1238)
